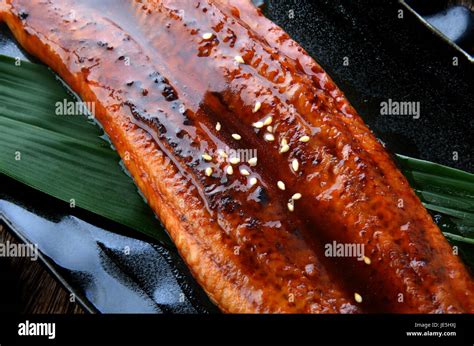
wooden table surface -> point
(27, 287)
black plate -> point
(389, 58)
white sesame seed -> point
(236, 136)
(284, 146)
(257, 106)
(207, 35)
(258, 124)
(358, 297)
(253, 181)
(296, 196)
(229, 170)
(270, 128)
(367, 260)
(218, 126)
(304, 139)
(234, 160)
(207, 157)
(208, 171)
(239, 59)
(244, 171)
(268, 121)
(284, 149)
(295, 165)
(252, 162)
(281, 185)
(291, 206)
(269, 137)
(222, 153)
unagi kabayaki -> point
(181, 85)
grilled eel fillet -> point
(174, 82)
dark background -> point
(390, 58)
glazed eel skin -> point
(179, 85)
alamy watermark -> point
(28, 328)
(336, 249)
(235, 155)
(67, 107)
(9, 249)
(391, 107)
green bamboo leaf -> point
(429, 176)
(451, 212)
(446, 200)
(64, 156)
(458, 238)
(434, 168)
